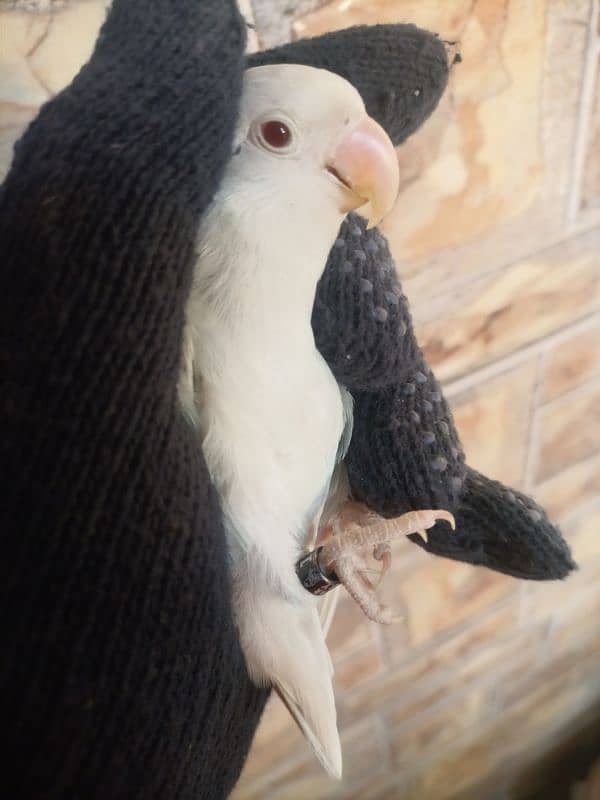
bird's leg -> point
(353, 529)
(348, 574)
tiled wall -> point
(497, 240)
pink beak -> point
(365, 163)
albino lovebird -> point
(273, 422)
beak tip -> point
(368, 163)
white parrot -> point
(274, 423)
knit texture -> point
(405, 452)
(121, 672)
(502, 529)
(401, 71)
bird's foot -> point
(355, 533)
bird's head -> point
(305, 153)
(304, 136)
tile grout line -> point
(533, 439)
(515, 358)
(454, 289)
(438, 640)
(384, 742)
(573, 394)
(586, 103)
(580, 511)
(583, 462)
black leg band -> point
(312, 576)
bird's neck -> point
(253, 297)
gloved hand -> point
(121, 669)
(405, 453)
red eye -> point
(276, 133)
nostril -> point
(333, 171)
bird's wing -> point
(284, 645)
(348, 407)
(339, 492)
(303, 681)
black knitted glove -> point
(122, 672)
(120, 669)
(405, 452)
(401, 71)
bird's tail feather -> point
(304, 683)
(324, 740)
(284, 644)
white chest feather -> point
(271, 435)
(269, 410)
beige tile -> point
(583, 534)
(17, 118)
(572, 10)
(21, 33)
(41, 53)
(306, 778)
(298, 781)
(551, 600)
(278, 743)
(484, 193)
(493, 420)
(516, 737)
(445, 594)
(463, 765)
(356, 667)
(572, 363)
(574, 487)
(508, 309)
(567, 28)
(383, 788)
(363, 753)
(68, 43)
(569, 430)
(421, 676)
(534, 692)
(349, 628)
(575, 639)
(591, 173)
(37, 6)
(555, 600)
(447, 19)
(423, 735)
(481, 177)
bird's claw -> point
(340, 554)
(382, 552)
